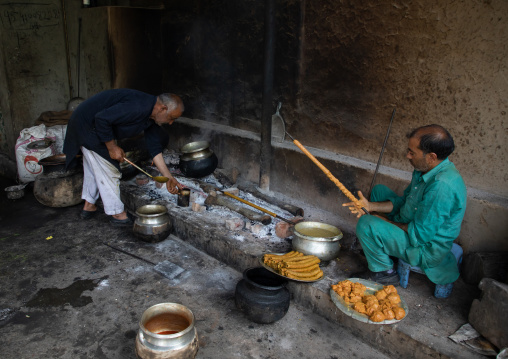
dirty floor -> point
(65, 294)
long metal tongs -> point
(329, 175)
(381, 154)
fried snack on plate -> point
(384, 304)
(389, 314)
(394, 298)
(377, 317)
(360, 307)
(390, 289)
(381, 294)
(399, 312)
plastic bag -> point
(27, 159)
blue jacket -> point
(112, 115)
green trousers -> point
(381, 240)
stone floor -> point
(65, 294)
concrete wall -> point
(340, 69)
(302, 183)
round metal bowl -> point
(319, 239)
(15, 192)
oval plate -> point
(372, 287)
(283, 276)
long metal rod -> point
(268, 75)
(128, 253)
(381, 155)
(255, 206)
(67, 55)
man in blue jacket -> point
(94, 128)
(421, 225)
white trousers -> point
(101, 178)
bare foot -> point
(89, 207)
(120, 216)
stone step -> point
(422, 334)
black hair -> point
(434, 138)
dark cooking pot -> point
(53, 164)
(197, 159)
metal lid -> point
(41, 144)
(195, 147)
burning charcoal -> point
(196, 207)
(283, 229)
(234, 224)
(257, 228)
(141, 180)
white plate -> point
(372, 287)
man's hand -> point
(115, 152)
(357, 209)
(173, 185)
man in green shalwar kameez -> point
(420, 226)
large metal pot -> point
(197, 159)
(316, 238)
(153, 223)
(54, 163)
(167, 331)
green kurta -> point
(433, 206)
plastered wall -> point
(435, 61)
(341, 67)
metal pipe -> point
(266, 119)
(381, 155)
(67, 55)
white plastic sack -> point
(58, 133)
(27, 160)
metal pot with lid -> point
(197, 159)
(316, 238)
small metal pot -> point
(15, 192)
(153, 223)
(197, 159)
(167, 331)
(316, 238)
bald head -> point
(172, 101)
(434, 139)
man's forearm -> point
(161, 165)
(381, 207)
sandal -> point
(87, 214)
(121, 222)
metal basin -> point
(319, 239)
